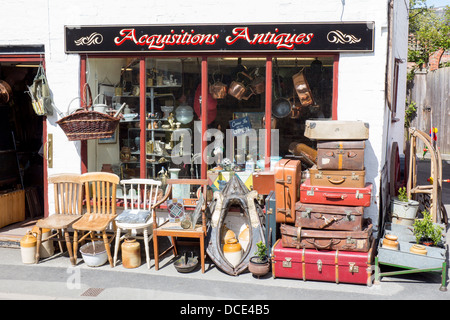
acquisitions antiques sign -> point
(329, 37)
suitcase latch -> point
(349, 216)
(355, 176)
(359, 195)
(310, 192)
(307, 213)
(287, 263)
(353, 268)
(319, 265)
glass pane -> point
(173, 87)
(302, 90)
(114, 84)
(237, 133)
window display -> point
(169, 122)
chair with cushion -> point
(139, 197)
(182, 228)
(68, 209)
(100, 189)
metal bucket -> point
(404, 213)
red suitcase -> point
(336, 195)
(332, 266)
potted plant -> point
(403, 209)
(259, 264)
(427, 232)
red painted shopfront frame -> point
(204, 92)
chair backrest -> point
(68, 193)
(203, 183)
(103, 186)
(140, 193)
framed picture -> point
(112, 139)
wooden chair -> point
(100, 209)
(174, 229)
(139, 197)
(68, 209)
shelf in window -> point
(165, 130)
(159, 155)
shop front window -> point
(163, 130)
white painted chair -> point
(136, 219)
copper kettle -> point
(257, 84)
(238, 89)
(218, 89)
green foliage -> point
(402, 194)
(261, 252)
(410, 113)
(429, 31)
(426, 229)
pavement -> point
(55, 279)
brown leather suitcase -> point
(297, 237)
(328, 217)
(288, 174)
(337, 178)
(340, 155)
(264, 182)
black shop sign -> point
(304, 37)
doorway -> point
(21, 139)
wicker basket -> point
(85, 124)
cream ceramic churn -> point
(131, 253)
(46, 249)
(28, 248)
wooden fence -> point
(431, 92)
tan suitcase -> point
(287, 189)
(337, 178)
(336, 130)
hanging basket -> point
(85, 124)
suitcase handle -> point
(335, 196)
(332, 242)
(336, 181)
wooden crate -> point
(12, 207)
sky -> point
(438, 3)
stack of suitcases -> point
(328, 238)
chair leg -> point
(116, 248)
(38, 244)
(108, 248)
(69, 246)
(202, 253)
(75, 247)
(174, 244)
(61, 249)
(147, 252)
(155, 250)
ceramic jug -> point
(28, 248)
(131, 253)
(232, 251)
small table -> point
(434, 261)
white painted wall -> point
(361, 94)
